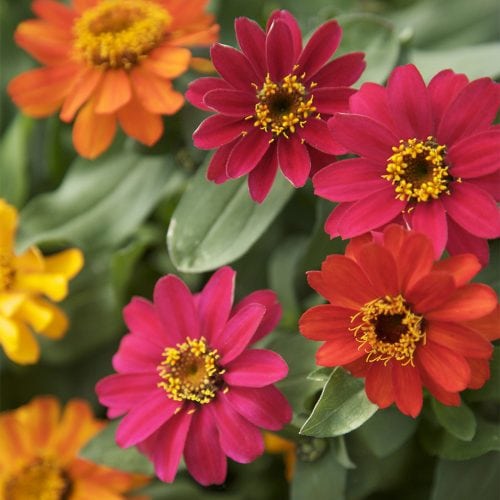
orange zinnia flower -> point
(38, 455)
(109, 61)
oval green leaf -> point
(457, 420)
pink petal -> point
(216, 171)
(176, 308)
(317, 135)
(409, 101)
(231, 102)
(265, 407)
(430, 291)
(476, 155)
(169, 445)
(197, 90)
(443, 89)
(241, 440)
(203, 454)
(215, 303)
(407, 389)
(217, 130)
(239, 331)
(450, 371)
(332, 222)
(460, 241)
(371, 212)
(473, 209)
(279, 62)
(319, 159)
(430, 218)
(261, 178)
(126, 390)
(332, 100)
(348, 180)
(137, 354)
(146, 418)
(474, 109)
(320, 47)
(363, 136)
(341, 72)
(272, 316)
(294, 160)
(378, 385)
(247, 153)
(234, 67)
(256, 368)
(142, 319)
(489, 183)
(252, 41)
(285, 16)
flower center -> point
(119, 33)
(389, 329)
(281, 107)
(41, 480)
(190, 371)
(7, 272)
(418, 170)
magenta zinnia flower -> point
(187, 382)
(429, 158)
(272, 102)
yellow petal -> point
(68, 263)
(8, 224)
(34, 314)
(29, 261)
(58, 326)
(54, 286)
(202, 65)
(18, 342)
(10, 302)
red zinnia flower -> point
(187, 382)
(429, 157)
(403, 321)
(272, 101)
(109, 62)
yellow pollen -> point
(119, 33)
(7, 271)
(388, 329)
(282, 107)
(418, 171)
(190, 371)
(41, 480)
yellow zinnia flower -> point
(277, 445)
(38, 448)
(26, 282)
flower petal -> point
(407, 385)
(252, 41)
(316, 133)
(430, 291)
(142, 319)
(217, 130)
(261, 178)
(460, 242)
(247, 153)
(197, 90)
(279, 62)
(379, 387)
(231, 102)
(332, 100)
(114, 92)
(342, 71)
(294, 160)
(293, 25)
(325, 322)
(340, 351)
(167, 61)
(462, 267)
(137, 353)
(430, 218)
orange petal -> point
(68, 262)
(8, 225)
(18, 342)
(81, 91)
(15, 447)
(114, 92)
(77, 426)
(155, 94)
(167, 62)
(82, 5)
(202, 65)
(47, 43)
(54, 12)
(92, 133)
(203, 38)
(140, 124)
(40, 92)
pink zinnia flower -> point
(429, 158)
(272, 102)
(187, 382)
(403, 321)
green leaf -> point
(477, 478)
(457, 420)
(323, 479)
(214, 224)
(475, 61)
(377, 38)
(14, 148)
(387, 431)
(441, 443)
(321, 374)
(102, 449)
(100, 203)
(342, 407)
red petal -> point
(462, 267)
(197, 90)
(261, 178)
(217, 130)
(480, 373)
(294, 160)
(317, 135)
(380, 267)
(247, 153)
(430, 218)
(325, 322)
(231, 102)
(378, 385)
(340, 351)
(252, 41)
(341, 72)
(407, 389)
(285, 16)
(332, 100)
(216, 171)
(126, 390)
(460, 241)
(137, 353)
(443, 88)
(142, 319)
(280, 59)
(430, 291)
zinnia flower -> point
(26, 281)
(429, 157)
(403, 321)
(109, 61)
(278, 445)
(38, 455)
(188, 384)
(272, 102)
